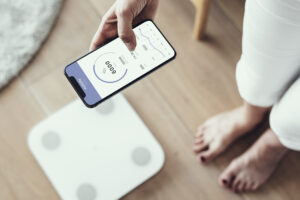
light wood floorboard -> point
(172, 102)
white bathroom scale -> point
(96, 154)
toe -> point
(227, 177)
(200, 147)
(208, 155)
(198, 140)
(200, 131)
(240, 188)
(199, 134)
(254, 187)
(235, 185)
(231, 182)
(223, 182)
(200, 128)
(244, 187)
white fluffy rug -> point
(24, 25)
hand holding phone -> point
(112, 67)
(118, 20)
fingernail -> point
(129, 45)
(202, 158)
(224, 182)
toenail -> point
(202, 158)
(224, 182)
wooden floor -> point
(172, 102)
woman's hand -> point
(119, 19)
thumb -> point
(125, 31)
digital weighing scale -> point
(95, 154)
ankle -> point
(254, 114)
(274, 142)
(271, 146)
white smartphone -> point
(109, 69)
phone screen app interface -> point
(114, 66)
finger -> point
(100, 36)
(151, 9)
(125, 31)
(148, 12)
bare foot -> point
(218, 132)
(255, 166)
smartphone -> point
(110, 68)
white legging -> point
(268, 72)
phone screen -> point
(112, 67)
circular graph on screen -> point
(109, 67)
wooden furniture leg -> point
(202, 10)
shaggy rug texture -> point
(24, 25)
